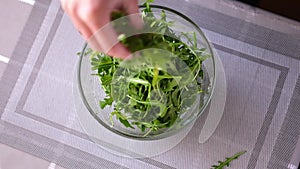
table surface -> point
(39, 126)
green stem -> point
(229, 160)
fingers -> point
(133, 13)
(92, 19)
(105, 35)
(119, 51)
(82, 27)
(72, 10)
(108, 40)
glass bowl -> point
(192, 101)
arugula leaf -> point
(121, 118)
(145, 95)
(228, 160)
(105, 102)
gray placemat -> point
(38, 115)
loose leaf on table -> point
(228, 160)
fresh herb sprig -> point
(228, 160)
(147, 89)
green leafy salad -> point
(154, 89)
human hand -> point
(91, 18)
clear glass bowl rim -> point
(169, 133)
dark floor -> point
(287, 8)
